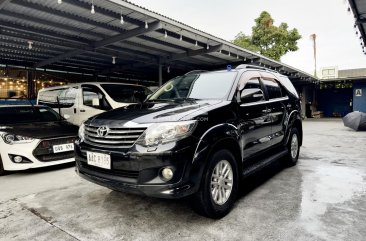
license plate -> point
(99, 160)
(63, 147)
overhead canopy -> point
(359, 11)
(65, 35)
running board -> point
(263, 163)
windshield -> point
(126, 93)
(203, 86)
(27, 114)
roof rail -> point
(195, 72)
(248, 66)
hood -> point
(42, 130)
(154, 112)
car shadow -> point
(181, 208)
(258, 178)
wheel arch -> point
(294, 121)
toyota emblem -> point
(102, 131)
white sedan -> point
(34, 136)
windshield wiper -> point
(174, 100)
(186, 99)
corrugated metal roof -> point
(70, 36)
(359, 11)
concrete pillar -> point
(160, 73)
(303, 101)
(31, 85)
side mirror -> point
(251, 95)
(95, 102)
(66, 116)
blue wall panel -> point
(334, 101)
(359, 102)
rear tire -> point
(293, 147)
(219, 186)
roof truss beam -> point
(3, 3)
(192, 53)
(102, 43)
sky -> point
(337, 43)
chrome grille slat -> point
(125, 132)
(109, 141)
(116, 137)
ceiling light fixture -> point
(146, 25)
(122, 20)
(59, 1)
(165, 34)
(30, 44)
(114, 59)
(92, 8)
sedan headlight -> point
(166, 132)
(82, 132)
(15, 139)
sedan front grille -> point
(115, 138)
(44, 151)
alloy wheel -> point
(221, 182)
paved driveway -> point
(322, 198)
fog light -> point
(18, 159)
(167, 173)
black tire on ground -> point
(2, 172)
(293, 148)
(207, 200)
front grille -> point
(116, 137)
(114, 172)
(44, 150)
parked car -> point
(197, 135)
(34, 136)
(78, 102)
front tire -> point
(293, 147)
(219, 186)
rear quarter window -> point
(286, 83)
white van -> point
(78, 102)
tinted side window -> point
(67, 97)
(253, 84)
(252, 91)
(93, 97)
(273, 89)
(58, 98)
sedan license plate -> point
(63, 147)
(99, 160)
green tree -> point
(267, 39)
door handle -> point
(82, 110)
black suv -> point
(197, 135)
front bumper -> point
(26, 150)
(140, 172)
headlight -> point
(15, 139)
(82, 132)
(166, 132)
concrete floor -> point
(322, 198)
